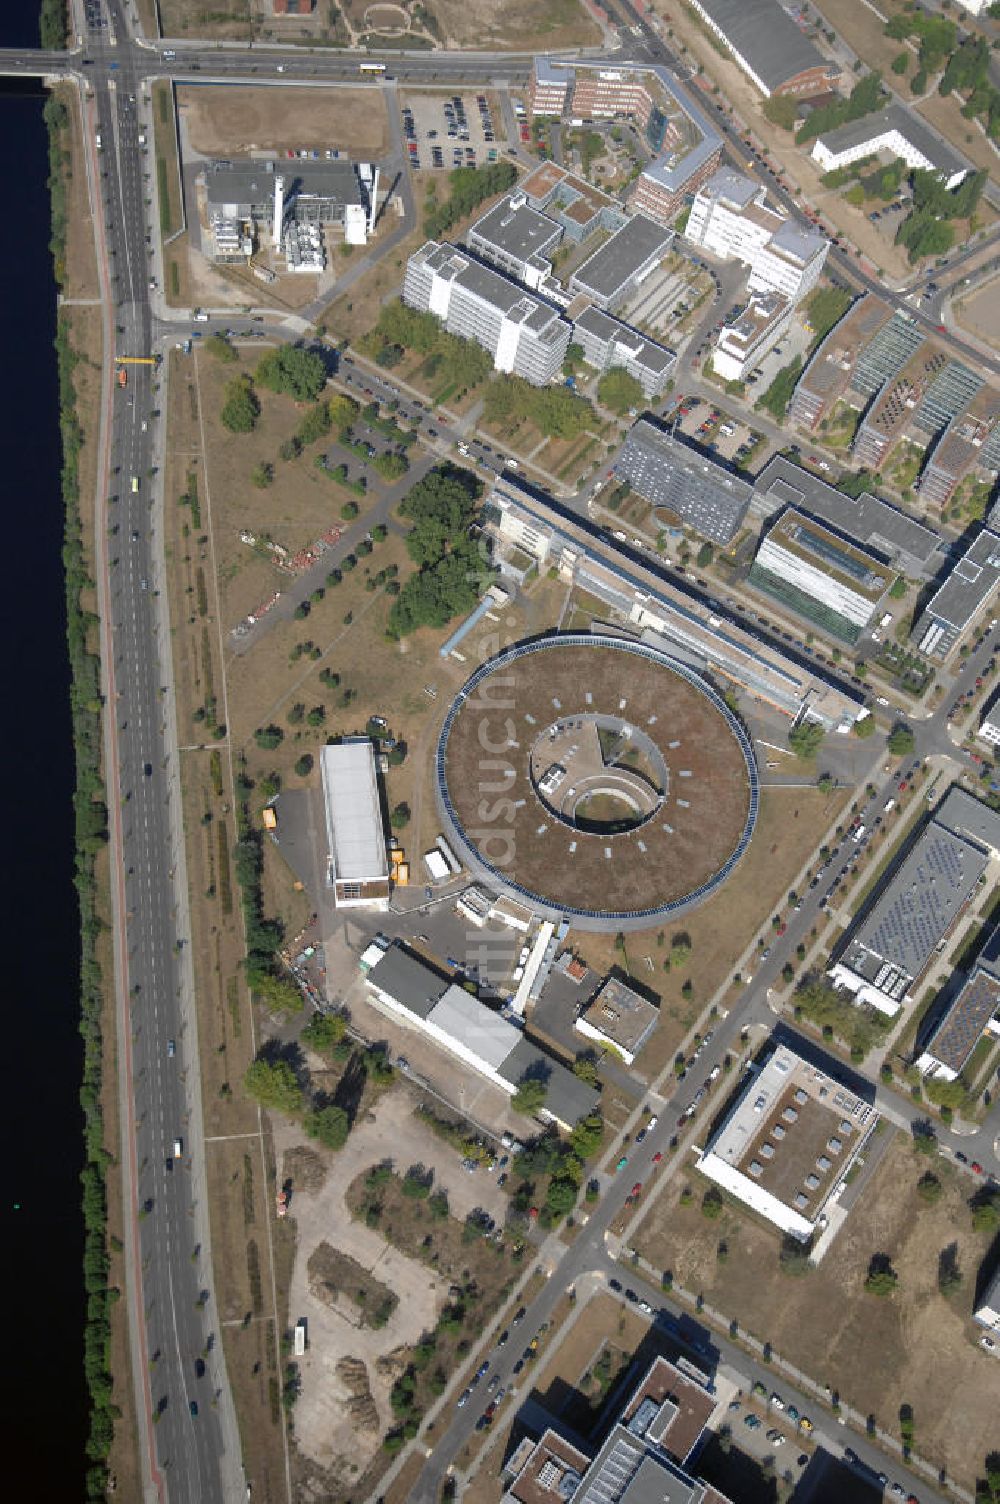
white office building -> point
(730, 218)
(525, 335)
(820, 576)
(357, 861)
(516, 239)
(897, 132)
(743, 344)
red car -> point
(637, 1188)
(976, 1167)
(657, 1157)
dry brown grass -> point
(516, 25)
(980, 313)
(789, 825)
(223, 120)
(915, 1347)
(215, 18)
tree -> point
(794, 1257)
(779, 394)
(529, 1096)
(900, 62)
(391, 465)
(680, 949)
(898, 588)
(805, 739)
(328, 1125)
(262, 475)
(900, 741)
(712, 1204)
(269, 737)
(241, 409)
(619, 391)
(324, 1032)
(587, 1136)
(304, 765)
(573, 359)
(400, 816)
(864, 727)
(294, 371)
(704, 556)
(781, 110)
(929, 1188)
(273, 1084)
(218, 346)
(882, 1278)
(585, 1069)
(276, 994)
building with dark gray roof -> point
(610, 275)
(480, 1037)
(314, 192)
(969, 588)
(887, 952)
(900, 133)
(608, 343)
(768, 45)
(669, 473)
(972, 1012)
(404, 979)
(915, 549)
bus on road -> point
(372, 67)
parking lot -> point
(451, 130)
(665, 297)
(711, 427)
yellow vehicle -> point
(135, 483)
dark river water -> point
(46, 1409)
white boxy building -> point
(730, 218)
(357, 861)
(787, 1142)
(899, 133)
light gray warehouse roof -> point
(253, 182)
(409, 981)
(628, 253)
(728, 186)
(969, 816)
(765, 36)
(474, 1027)
(516, 229)
(915, 548)
(355, 832)
(909, 125)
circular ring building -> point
(595, 778)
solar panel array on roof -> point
(915, 913)
(894, 344)
(951, 390)
(989, 457)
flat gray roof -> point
(409, 981)
(567, 1097)
(765, 36)
(668, 472)
(252, 182)
(355, 832)
(896, 118)
(517, 229)
(798, 241)
(629, 251)
(969, 586)
(627, 1471)
(731, 187)
(509, 297)
(962, 1025)
(876, 524)
(927, 891)
(645, 351)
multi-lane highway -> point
(188, 1435)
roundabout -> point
(595, 778)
